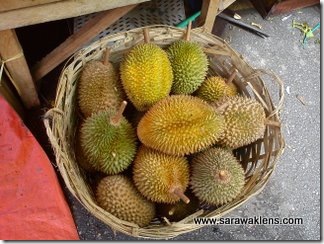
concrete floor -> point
(294, 187)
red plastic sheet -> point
(32, 204)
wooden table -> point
(19, 13)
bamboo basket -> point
(258, 159)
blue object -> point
(185, 22)
(316, 27)
(310, 34)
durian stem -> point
(146, 35)
(106, 56)
(187, 35)
(222, 174)
(232, 76)
(166, 221)
(273, 123)
(221, 107)
(178, 192)
(116, 119)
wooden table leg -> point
(209, 11)
(18, 68)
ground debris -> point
(301, 99)
(288, 90)
(237, 16)
(286, 17)
(257, 25)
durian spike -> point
(273, 123)
(116, 119)
(232, 76)
(187, 35)
(106, 56)
(146, 35)
(178, 192)
(171, 211)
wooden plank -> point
(226, 4)
(57, 10)
(289, 5)
(18, 68)
(6, 5)
(209, 11)
(92, 28)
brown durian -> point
(99, 88)
(118, 196)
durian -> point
(245, 121)
(216, 87)
(146, 75)
(217, 177)
(178, 210)
(118, 196)
(109, 141)
(98, 87)
(180, 125)
(80, 157)
(189, 65)
(160, 177)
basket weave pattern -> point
(258, 159)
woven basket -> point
(258, 159)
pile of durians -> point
(177, 141)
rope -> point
(3, 67)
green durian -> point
(80, 156)
(189, 66)
(217, 177)
(109, 141)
